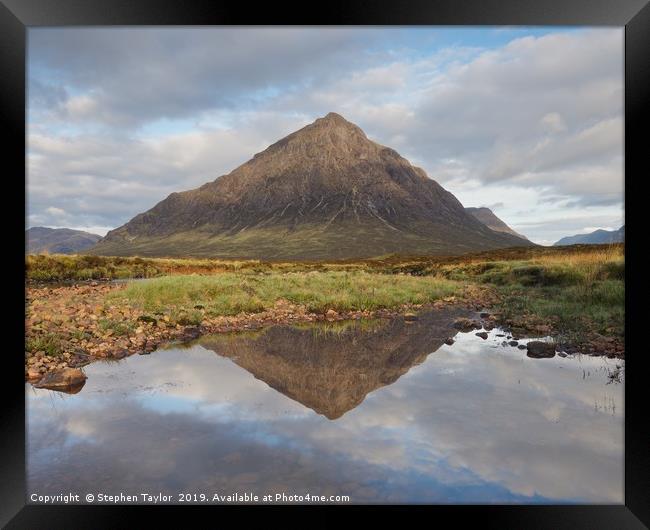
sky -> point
(527, 121)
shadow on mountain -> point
(330, 368)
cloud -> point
(120, 118)
(125, 76)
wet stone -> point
(67, 380)
(539, 349)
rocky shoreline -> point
(75, 317)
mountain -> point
(324, 192)
(42, 240)
(489, 219)
(594, 238)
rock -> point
(409, 317)
(331, 313)
(68, 380)
(539, 350)
(191, 332)
(466, 324)
(449, 341)
(33, 373)
(484, 315)
(146, 318)
(120, 354)
(500, 335)
(522, 347)
(513, 343)
(482, 334)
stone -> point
(68, 380)
(331, 313)
(540, 350)
(33, 373)
(522, 347)
(409, 317)
(482, 334)
(513, 343)
(449, 341)
(466, 324)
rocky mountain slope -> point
(489, 219)
(324, 192)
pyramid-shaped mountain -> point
(324, 192)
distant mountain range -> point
(594, 238)
(489, 219)
(58, 240)
(323, 192)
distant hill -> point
(42, 240)
(594, 238)
(489, 219)
(324, 192)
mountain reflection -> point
(475, 422)
(331, 369)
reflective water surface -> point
(379, 411)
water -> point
(378, 411)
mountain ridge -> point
(41, 239)
(594, 238)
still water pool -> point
(380, 411)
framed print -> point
(373, 259)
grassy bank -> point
(575, 292)
(232, 293)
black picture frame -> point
(17, 15)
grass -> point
(49, 343)
(233, 293)
(118, 327)
(578, 291)
(60, 267)
(577, 288)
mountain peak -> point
(333, 121)
(334, 118)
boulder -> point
(449, 341)
(410, 317)
(540, 350)
(482, 334)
